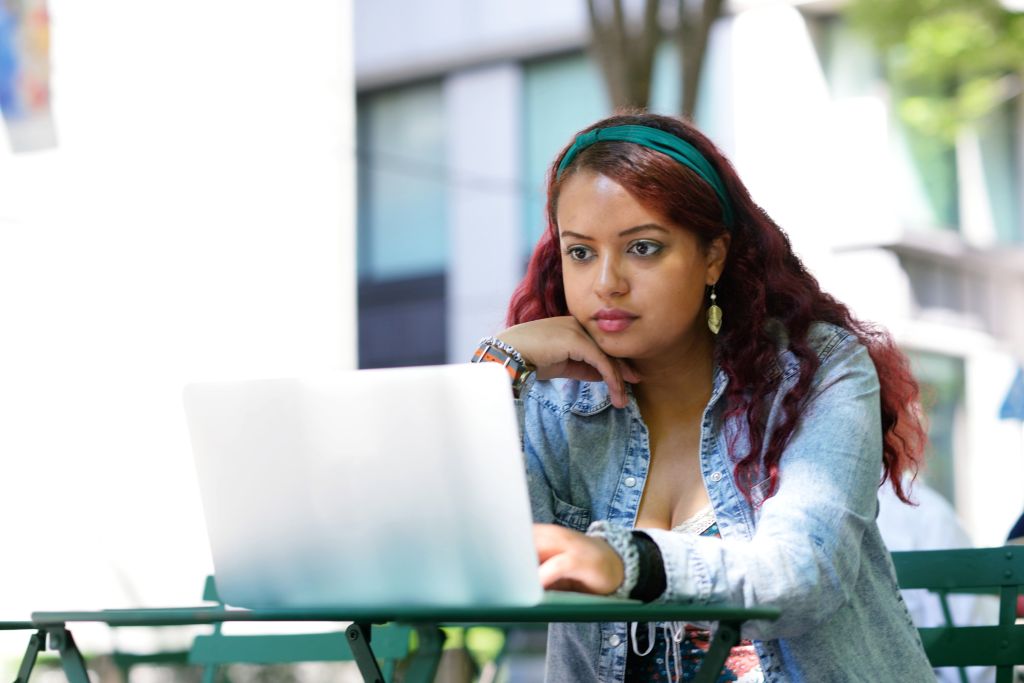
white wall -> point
(399, 39)
(196, 220)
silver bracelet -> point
(507, 348)
(622, 542)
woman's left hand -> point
(571, 561)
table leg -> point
(424, 662)
(36, 643)
(726, 636)
(359, 641)
(70, 658)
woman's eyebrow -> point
(624, 233)
(641, 228)
(575, 235)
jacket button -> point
(630, 482)
(614, 640)
(716, 476)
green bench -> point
(995, 571)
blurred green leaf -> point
(947, 60)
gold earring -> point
(714, 313)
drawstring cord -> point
(650, 638)
(674, 632)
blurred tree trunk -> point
(693, 27)
(625, 46)
(624, 50)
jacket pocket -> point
(569, 515)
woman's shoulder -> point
(826, 340)
(822, 337)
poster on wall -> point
(25, 75)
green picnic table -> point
(52, 627)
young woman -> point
(702, 422)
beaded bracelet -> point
(496, 351)
(622, 542)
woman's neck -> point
(677, 382)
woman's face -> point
(633, 280)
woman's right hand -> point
(560, 347)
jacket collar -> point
(594, 397)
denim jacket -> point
(812, 549)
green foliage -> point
(949, 61)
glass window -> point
(401, 179)
(934, 201)
(666, 81)
(942, 396)
(999, 138)
(667, 87)
(925, 166)
(852, 67)
(560, 96)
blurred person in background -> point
(1016, 535)
(702, 422)
(933, 525)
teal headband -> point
(660, 141)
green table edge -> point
(16, 625)
(183, 616)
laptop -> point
(369, 488)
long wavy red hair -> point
(763, 281)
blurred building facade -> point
(462, 104)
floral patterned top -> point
(674, 651)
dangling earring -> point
(714, 313)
